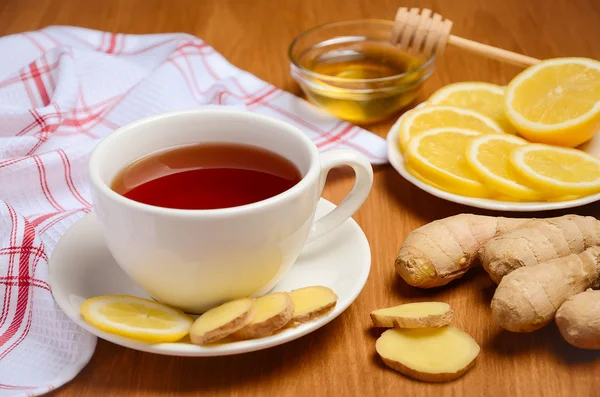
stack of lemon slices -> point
(516, 143)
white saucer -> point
(81, 267)
(397, 161)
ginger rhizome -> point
(443, 250)
(528, 298)
(539, 241)
(578, 320)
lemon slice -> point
(454, 189)
(429, 182)
(451, 188)
(439, 155)
(556, 101)
(136, 318)
(489, 157)
(426, 118)
(484, 98)
(558, 170)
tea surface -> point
(206, 176)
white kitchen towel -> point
(61, 90)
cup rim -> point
(95, 159)
(426, 64)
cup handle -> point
(357, 196)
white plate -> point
(81, 267)
(397, 161)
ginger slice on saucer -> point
(312, 302)
(272, 312)
(222, 321)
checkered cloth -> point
(61, 90)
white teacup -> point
(197, 259)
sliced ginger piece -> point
(222, 321)
(413, 315)
(428, 354)
(312, 302)
(272, 312)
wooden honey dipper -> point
(427, 34)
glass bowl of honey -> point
(351, 70)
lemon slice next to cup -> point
(136, 318)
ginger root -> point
(527, 299)
(578, 320)
(538, 241)
(428, 354)
(272, 312)
(312, 302)
(222, 321)
(443, 250)
(413, 315)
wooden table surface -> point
(340, 359)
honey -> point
(360, 79)
(364, 61)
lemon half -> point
(556, 101)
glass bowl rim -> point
(424, 66)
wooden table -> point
(340, 359)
